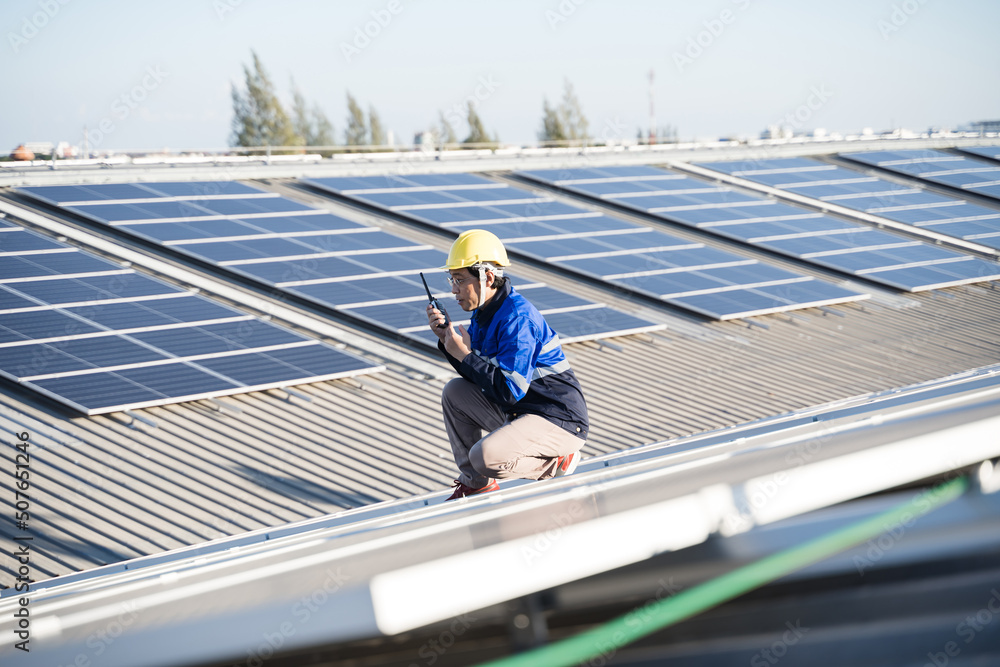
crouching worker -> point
(515, 383)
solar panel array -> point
(956, 171)
(845, 187)
(689, 274)
(361, 271)
(821, 239)
(100, 337)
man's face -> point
(466, 289)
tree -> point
(565, 122)
(356, 133)
(477, 134)
(552, 125)
(572, 116)
(311, 126)
(446, 132)
(258, 117)
(378, 137)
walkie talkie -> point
(436, 304)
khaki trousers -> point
(526, 448)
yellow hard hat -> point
(475, 246)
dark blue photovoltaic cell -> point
(591, 323)
(204, 189)
(293, 246)
(181, 380)
(523, 229)
(615, 187)
(250, 249)
(153, 312)
(452, 215)
(408, 314)
(969, 230)
(57, 194)
(598, 244)
(273, 368)
(50, 264)
(105, 351)
(216, 338)
(96, 392)
(22, 361)
(40, 324)
(778, 297)
(147, 211)
(364, 291)
(9, 300)
(125, 285)
(238, 207)
(447, 179)
(293, 224)
(178, 231)
(16, 241)
(941, 274)
(992, 152)
(443, 197)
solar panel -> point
(957, 171)
(360, 271)
(101, 338)
(992, 152)
(619, 252)
(837, 244)
(861, 192)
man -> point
(515, 381)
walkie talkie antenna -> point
(434, 302)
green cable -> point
(606, 639)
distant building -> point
(984, 126)
(40, 147)
(425, 141)
(776, 132)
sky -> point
(158, 75)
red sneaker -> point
(567, 464)
(461, 490)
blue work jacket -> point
(518, 364)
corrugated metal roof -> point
(105, 490)
(109, 488)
